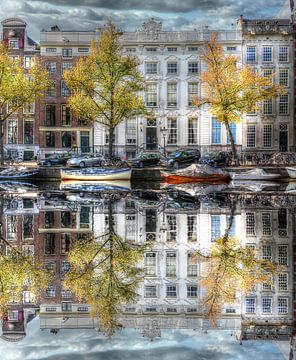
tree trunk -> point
(110, 145)
(1, 143)
(233, 146)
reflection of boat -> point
(18, 187)
(96, 174)
(291, 172)
(252, 185)
(18, 172)
(194, 190)
(195, 173)
(95, 186)
(291, 188)
(254, 174)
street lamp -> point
(164, 131)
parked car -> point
(146, 159)
(86, 160)
(55, 159)
(179, 157)
(217, 158)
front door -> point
(151, 138)
(283, 137)
(84, 142)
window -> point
(266, 224)
(51, 67)
(13, 44)
(215, 227)
(171, 291)
(172, 49)
(150, 291)
(49, 219)
(266, 252)
(191, 228)
(250, 305)
(192, 48)
(250, 224)
(151, 95)
(267, 54)
(51, 50)
(172, 227)
(283, 282)
(267, 135)
(29, 108)
(12, 132)
(267, 285)
(172, 68)
(65, 90)
(251, 136)
(282, 305)
(131, 131)
(191, 265)
(28, 297)
(28, 62)
(150, 263)
(283, 254)
(233, 132)
(192, 291)
(172, 131)
(216, 131)
(266, 305)
(231, 48)
(151, 68)
(67, 53)
(267, 106)
(28, 227)
(65, 243)
(130, 50)
(233, 226)
(151, 49)
(49, 244)
(66, 66)
(193, 67)
(192, 92)
(84, 217)
(171, 264)
(251, 54)
(130, 227)
(66, 293)
(282, 219)
(284, 77)
(192, 131)
(83, 50)
(66, 117)
(268, 73)
(51, 91)
(50, 291)
(49, 139)
(172, 94)
(29, 132)
(66, 306)
(283, 54)
(65, 268)
(50, 119)
(11, 227)
(284, 104)
(66, 139)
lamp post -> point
(164, 131)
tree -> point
(18, 88)
(231, 90)
(105, 273)
(106, 84)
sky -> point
(130, 345)
(130, 14)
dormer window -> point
(13, 44)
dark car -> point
(146, 159)
(55, 159)
(179, 157)
(217, 158)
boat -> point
(96, 174)
(195, 173)
(193, 190)
(254, 174)
(95, 186)
(291, 172)
(253, 186)
(18, 172)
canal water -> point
(149, 271)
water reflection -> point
(136, 260)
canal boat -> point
(95, 186)
(195, 173)
(291, 172)
(254, 174)
(18, 172)
(96, 174)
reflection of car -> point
(86, 160)
(55, 159)
(146, 159)
(217, 158)
(178, 157)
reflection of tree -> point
(105, 274)
(230, 267)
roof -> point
(13, 22)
